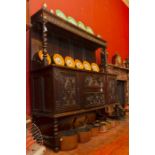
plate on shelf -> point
(58, 60)
(86, 65)
(71, 20)
(48, 58)
(78, 64)
(69, 62)
(89, 30)
(99, 36)
(81, 25)
(95, 67)
(60, 14)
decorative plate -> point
(52, 11)
(69, 62)
(81, 25)
(48, 58)
(86, 65)
(58, 60)
(99, 36)
(71, 20)
(78, 64)
(89, 30)
(61, 14)
(95, 67)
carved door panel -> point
(48, 93)
(37, 93)
(121, 92)
(41, 92)
(80, 88)
(65, 90)
(111, 89)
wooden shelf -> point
(64, 67)
(58, 22)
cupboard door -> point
(37, 93)
(111, 89)
(65, 90)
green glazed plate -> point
(61, 14)
(72, 20)
(81, 25)
(89, 30)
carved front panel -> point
(93, 80)
(93, 99)
(94, 92)
(65, 84)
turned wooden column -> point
(104, 60)
(44, 39)
(56, 137)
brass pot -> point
(117, 60)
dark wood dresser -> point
(61, 95)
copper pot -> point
(108, 124)
(113, 123)
(103, 127)
(84, 135)
(95, 129)
(69, 140)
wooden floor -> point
(113, 142)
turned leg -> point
(56, 136)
